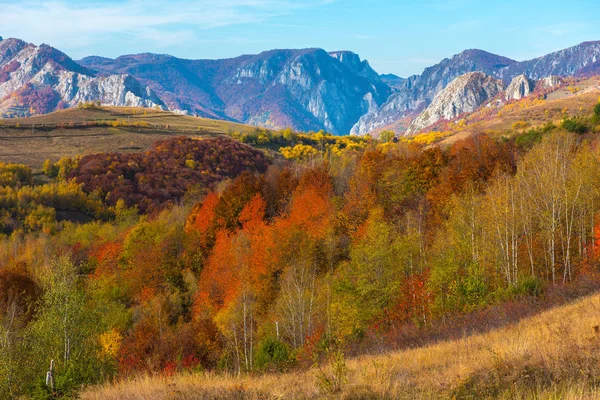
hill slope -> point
(75, 132)
(517, 361)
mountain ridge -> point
(305, 89)
(40, 79)
(418, 90)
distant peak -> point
(342, 53)
(391, 76)
(590, 43)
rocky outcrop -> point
(418, 91)
(550, 82)
(42, 79)
(464, 94)
(306, 89)
(519, 87)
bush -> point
(596, 117)
(272, 354)
(529, 287)
(574, 125)
(528, 139)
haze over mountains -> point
(307, 89)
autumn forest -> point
(219, 254)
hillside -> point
(205, 256)
(419, 90)
(518, 116)
(550, 355)
(74, 132)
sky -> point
(400, 37)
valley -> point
(188, 211)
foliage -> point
(15, 175)
(356, 250)
(574, 125)
(272, 354)
(162, 175)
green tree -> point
(66, 330)
(365, 286)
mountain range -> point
(306, 89)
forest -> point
(211, 255)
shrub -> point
(533, 136)
(530, 287)
(574, 125)
(272, 354)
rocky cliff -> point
(567, 62)
(306, 89)
(464, 94)
(418, 91)
(42, 79)
(520, 86)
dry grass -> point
(553, 355)
(46, 136)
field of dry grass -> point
(64, 133)
(553, 355)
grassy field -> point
(75, 132)
(553, 355)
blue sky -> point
(400, 37)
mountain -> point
(464, 94)
(418, 91)
(567, 62)
(393, 81)
(45, 79)
(306, 89)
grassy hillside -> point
(95, 130)
(519, 361)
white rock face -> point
(114, 90)
(44, 69)
(520, 86)
(417, 92)
(464, 94)
(550, 82)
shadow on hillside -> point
(453, 327)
